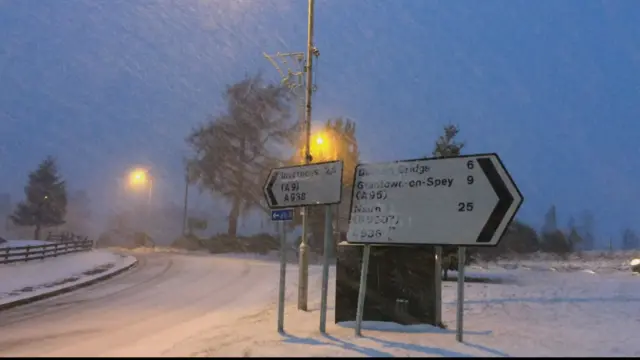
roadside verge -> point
(72, 280)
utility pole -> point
(149, 215)
(303, 275)
(184, 210)
(295, 86)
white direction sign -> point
(464, 201)
(295, 186)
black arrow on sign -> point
(505, 199)
(272, 181)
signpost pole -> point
(303, 266)
(438, 284)
(460, 305)
(294, 187)
(363, 288)
(283, 275)
(328, 236)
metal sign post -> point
(328, 237)
(460, 304)
(362, 292)
(303, 186)
(438, 284)
(281, 216)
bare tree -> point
(235, 150)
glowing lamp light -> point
(138, 177)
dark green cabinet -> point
(400, 284)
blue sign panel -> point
(282, 215)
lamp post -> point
(141, 178)
(184, 210)
(309, 88)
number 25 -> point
(462, 207)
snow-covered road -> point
(176, 304)
(148, 311)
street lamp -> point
(318, 147)
(323, 148)
(139, 178)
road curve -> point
(165, 301)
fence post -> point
(55, 250)
(26, 253)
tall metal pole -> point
(184, 210)
(149, 217)
(149, 194)
(438, 284)
(328, 240)
(303, 275)
(283, 276)
(362, 291)
(306, 66)
(460, 303)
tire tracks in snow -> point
(61, 303)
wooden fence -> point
(10, 255)
(65, 237)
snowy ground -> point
(24, 280)
(178, 304)
(598, 262)
(542, 314)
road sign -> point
(295, 186)
(282, 215)
(464, 201)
